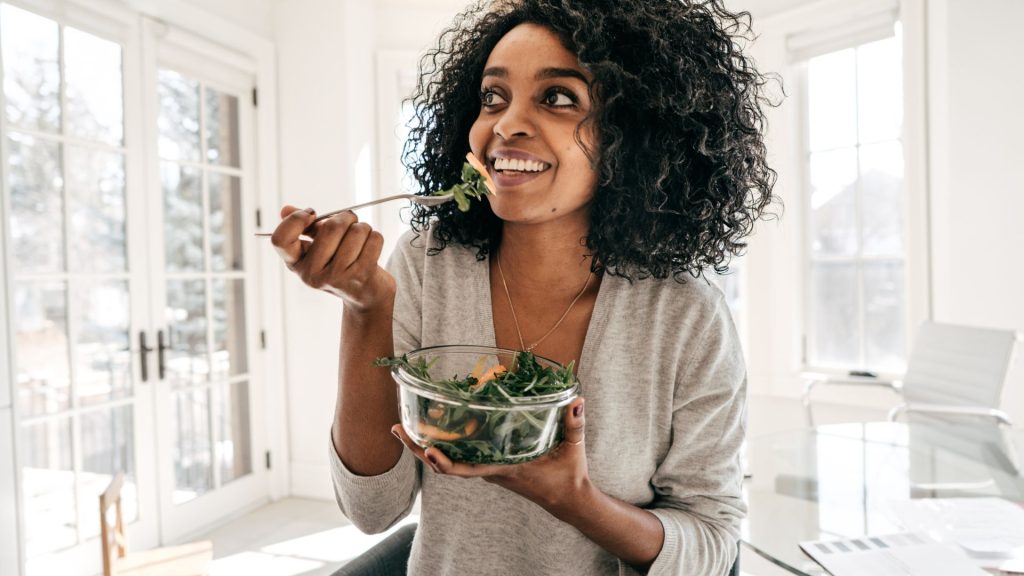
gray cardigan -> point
(665, 384)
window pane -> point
(229, 328)
(96, 204)
(834, 293)
(41, 344)
(30, 45)
(37, 204)
(832, 102)
(221, 128)
(884, 331)
(48, 487)
(193, 474)
(179, 117)
(881, 168)
(234, 452)
(880, 90)
(225, 222)
(833, 202)
(186, 356)
(103, 368)
(183, 218)
(92, 68)
(108, 448)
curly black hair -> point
(679, 117)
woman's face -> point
(533, 95)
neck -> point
(545, 257)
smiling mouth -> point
(510, 167)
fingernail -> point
(310, 210)
(577, 411)
(395, 433)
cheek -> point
(478, 134)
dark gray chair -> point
(390, 557)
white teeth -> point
(519, 165)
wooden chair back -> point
(112, 536)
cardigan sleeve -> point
(375, 503)
(698, 486)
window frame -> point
(874, 22)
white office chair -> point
(953, 371)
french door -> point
(127, 170)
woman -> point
(624, 141)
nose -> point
(515, 122)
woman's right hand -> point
(341, 259)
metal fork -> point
(421, 200)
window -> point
(855, 228)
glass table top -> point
(838, 481)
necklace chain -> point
(515, 321)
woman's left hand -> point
(554, 481)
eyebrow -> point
(544, 74)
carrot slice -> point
(478, 368)
(491, 374)
(476, 163)
(435, 433)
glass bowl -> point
(485, 427)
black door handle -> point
(144, 355)
(160, 347)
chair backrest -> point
(958, 365)
(112, 536)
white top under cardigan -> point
(665, 384)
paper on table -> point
(907, 554)
(990, 531)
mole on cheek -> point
(554, 209)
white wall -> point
(327, 119)
(254, 15)
(977, 151)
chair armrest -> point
(812, 379)
(998, 415)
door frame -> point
(103, 16)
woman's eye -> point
(559, 99)
(490, 98)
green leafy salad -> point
(500, 435)
(476, 183)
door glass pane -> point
(221, 128)
(832, 100)
(92, 68)
(835, 314)
(178, 121)
(102, 356)
(37, 204)
(48, 486)
(41, 344)
(193, 474)
(881, 168)
(108, 447)
(30, 45)
(183, 218)
(225, 222)
(880, 90)
(186, 357)
(884, 331)
(229, 328)
(833, 202)
(234, 451)
(96, 204)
